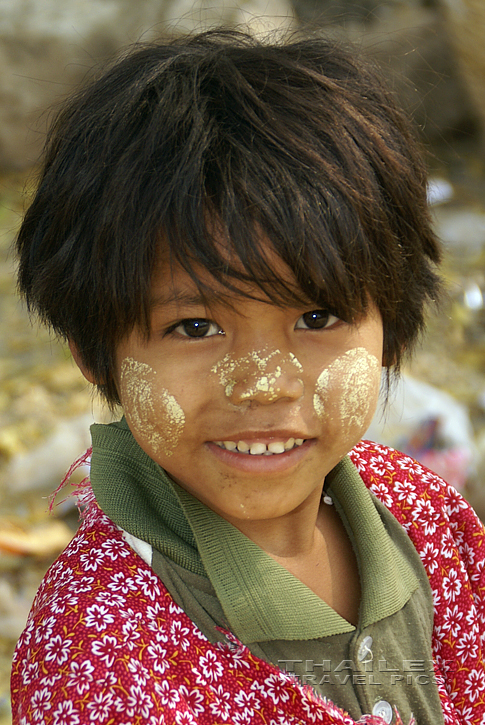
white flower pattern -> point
(101, 615)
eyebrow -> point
(194, 298)
(189, 298)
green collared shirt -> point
(222, 579)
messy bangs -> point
(218, 136)
(239, 255)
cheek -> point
(153, 414)
(349, 389)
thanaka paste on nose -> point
(259, 359)
(154, 414)
(264, 384)
(356, 374)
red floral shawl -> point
(105, 643)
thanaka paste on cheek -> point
(255, 361)
(357, 376)
(153, 412)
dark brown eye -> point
(198, 327)
(316, 320)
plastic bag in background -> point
(429, 425)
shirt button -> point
(384, 710)
(365, 652)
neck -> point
(312, 544)
(290, 536)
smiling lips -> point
(258, 448)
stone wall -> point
(48, 46)
(466, 26)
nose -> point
(261, 378)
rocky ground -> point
(46, 407)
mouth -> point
(260, 448)
(257, 453)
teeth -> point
(260, 449)
(276, 447)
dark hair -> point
(298, 142)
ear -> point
(78, 360)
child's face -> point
(254, 376)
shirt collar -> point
(261, 600)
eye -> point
(197, 327)
(316, 320)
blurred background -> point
(434, 54)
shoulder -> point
(440, 522)
(407, 487)
(97, 567)
(94, 606)
(444, 528)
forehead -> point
(173, 283)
